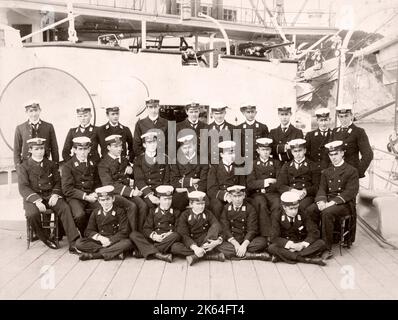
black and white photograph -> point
(206, 151)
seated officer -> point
(85, 129)
(187, 174)
(34, 127)
(107, 230)
(240, 229)
(39, 184)
(159, 231)
(261, 182)
(115, 170)
(112, 127)
(200, 232)
(336, 195)
(282, 134)
(299, 175)
(79, 180)
(259, 130)
(221, 176)
(150, 170)
(317, 139)
(152, 122)
(295, 238)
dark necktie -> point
(291, 222)
(228, 168)
(284, 130)
(35, 128)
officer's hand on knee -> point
(40, 206)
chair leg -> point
(28, 233)
(56, 228)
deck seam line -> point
(160, 281)
(135, 280)
(114, 275)
(84, 282)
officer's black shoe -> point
(164, 257)
(51, 244)
(74, 250)
(215, 256)
(90, 256)
(327, 254)
(263, 256)
(137, 254)
(317, 261)
(192, 259)
(275, 259)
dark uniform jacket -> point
(90, 132)
(160, 221)
(181, 175)
(79, 178)
(24, 132)
(338, 184)
(316, 150)
(148, 176)
(304, 177)
(261, 171)
(240, 224)
(219, 179)
(127, 139)
(185, 124)
(197, 229)
(144, 125)
(303, 229)
(260, 130)
(111, 172)
(355, 141)
(38, 180)
(280, 138)
(113, 225)
(224, 129)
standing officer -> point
(355, 140)
(259, 130)
(299, 175)
(159, 231)
(295, 238)
(107, 230)
(187, 174)
(85, 129)
(34, 128)
(336, 195)
(79, 180)
(240, 229)
(282, 134)
(115, 170)
(39, 184)
(317, 139)
(200, 232)
(150, 170)
(221, 176)
(112, 127)
(261, 183)
(152, 122)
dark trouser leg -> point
(130, 207)
(305, 203)
(258, 244)
(273, 203)
(264, 216)
(143, 244)
(227, 249)
(115, 249)
(328, 217)
(34, 217)
(62, 209)
(166, 244)
(313, 213)
(282, 253)
(216, 207)
(180, 201)
(180, 249)
(88, 245)
(79, 215)
(314, 248)
(142, 213)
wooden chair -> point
(49, 221)
(343, 231)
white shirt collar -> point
(191, 157)
(263, 161)
(81, 126)
(153, 119)
(219, 124)
(36, 122)
(340, 163)
(150, 154)
(113, 125)
(193, 123)
(285, 127)
(112, 156)
(250, 123)
(299, 162)
(81, 161)
(37, 160)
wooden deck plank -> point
(148, 281)
(247, 282)
(173, 281)
(197, 284)
(27, 277)
(61, 267)
(295, 281)
(270, 280)
(12, 248)
(98, 281)
(74, 280)
(222, 282)
(123, 282)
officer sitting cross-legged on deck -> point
(240, 228)
(200, 232)
(39, 184)
(159, 232)
(295, 238)
(107, 230)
